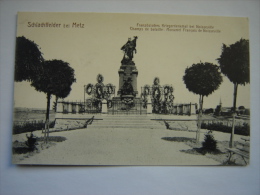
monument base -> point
(127, 104)
(127, 72)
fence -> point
(70, 107)
(137, 107)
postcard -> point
(131, 89)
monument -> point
(128, 72)
(154, 99)
(127, 100)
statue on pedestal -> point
(129, 49)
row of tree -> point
(52, 77)
(204, 78)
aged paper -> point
(122, 96)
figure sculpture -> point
(129, 49)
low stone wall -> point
(68, 124)
(179, 122)
(69, 107)
(184, 109)
(66, 108)
(183, 125)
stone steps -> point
(126, 121)
(110, 121)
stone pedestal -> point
(104, 107)
(149, 106)
(192, 108)
(59, 108)
(125, 72)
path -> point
(120, 145)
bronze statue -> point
(129, 49)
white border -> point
(124, 180)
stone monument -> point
(127, 100)
(128, 72)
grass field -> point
(30, 119)
(31, 114)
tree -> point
(202, 79)
(234, 63)
(56, 79)
(209, 111)
(217, 110)
(241, 109)
(28, 60)
(53, 77)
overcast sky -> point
(95, 49)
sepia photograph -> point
(131, 89)
(129, 97)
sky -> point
(93, 48)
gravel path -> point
(110, 146)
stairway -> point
(130, 121)
(126, 121)
(110, 121)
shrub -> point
(31, 141)
(209, 142)
(53, 139)
(30, 126)
(240, 130)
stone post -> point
(59, 107)
(104, 107)
(149, 107)
(70, 108)
(192, 109)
